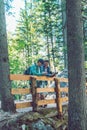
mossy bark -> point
(77, 102)
(5, 84)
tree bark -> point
(63, 8)
(7, 102)
(48, 50)
(77, 96)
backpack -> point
(27, 71)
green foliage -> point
(39, 33)
(84, 15)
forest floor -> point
(44, 119)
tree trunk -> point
(63, 8)
(7, 101)
(51, 40)
(48, 50)
(77, 107)
(47, 36)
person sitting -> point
(46, 69)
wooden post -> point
(58, 97)
(34, 93)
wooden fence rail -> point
(34, 90)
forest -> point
(55, 30)
(41, 32)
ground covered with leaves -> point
(44, 119)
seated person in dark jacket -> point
(46, 69)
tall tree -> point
(7, 102)
(63, 7)
(77, 108)
(84, 15)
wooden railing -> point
(34, 90)
(59, 100)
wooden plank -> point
(45, 90)
(19, 77)
(63, 79)
(34, 93)
(44, 102)
(64, 99)
(44, 78)
(20, 91)
(27, 77)
(64, 89)
(58, 97)
(23, 104)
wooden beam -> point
(39, 90)
(44, 102)
(27, 77)
(20, 91)
(64, 89)
(23, 104)
(64, 99)
(34, 93)
(44, 78)
(58, 96)
(19, 77)
(62, 79)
